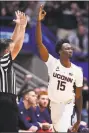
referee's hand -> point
(21, 18)
(41, 13)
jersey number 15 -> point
(61, 85)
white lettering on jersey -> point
(62, 80)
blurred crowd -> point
(67, 19)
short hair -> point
(59, 44)
(42, 93)
(4, 43)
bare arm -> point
(78, 103)
(17, 27)
(15, 32)
(18, 44)
(42, 49)
(18, 34)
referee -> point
(9, 48)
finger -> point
(43, 12)
(22, 15)
(41, 7)
(43, 15)
(16, 13)
(19, 13)
(74, 130)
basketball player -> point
(9, 49)
(63, 76)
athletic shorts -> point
(8, 113)
(61, 115)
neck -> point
(26, 104)
(41, 108)
(65, 62)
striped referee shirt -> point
(7, 75)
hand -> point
(41, 13)
(33, 128)
(21, 18)
(45, 126)
(74, 128)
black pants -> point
(8, 113)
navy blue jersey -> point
(27, 117)
(43, 115)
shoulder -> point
(6, 56)
(77, 69)
(21, 105)
(73, 35)
(6, 59)
(37, 109)
(51, 59)
(33, 109)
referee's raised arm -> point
(9, 48)
(18, 33)
(42, 49)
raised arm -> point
(42, 49)
(18, 34)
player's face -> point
(43, 101)
(67, 50)
(32, 97)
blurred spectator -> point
(3, 11)
(74, 7)
(43, 88)
(27, 119)
(79, 40)
(37, 91)
(30, 10)
(27, 77)
(84, 115)
(42, 113)
(66, 20)
(83, 127)
(51, 8)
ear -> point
(26, 97)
